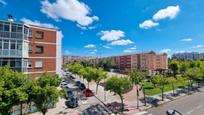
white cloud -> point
(107, 47)
(165, 50)
(90, 46)
(133, 48)
(94, 51)
(111, 35)
(73, 10)
(67, 52)
(186, 40)
(199, 46)
(128, 51)
(121, 42)
(3, 2)
(37, 23)
(170, 12)
(148, 24)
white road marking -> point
(141, 113)
(189, 112)
(198, 107)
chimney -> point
(10, 18)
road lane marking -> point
(198, 107)
(189, 112)
(141, 113)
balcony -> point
(11, 53)
(15, 35)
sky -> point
(116, 27)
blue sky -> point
(115, 27)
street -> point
(187, 105)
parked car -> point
(77, 83)
(173, 112)
(72, 77)
(64, 85)
(81, 96)
(88, 93)
(72, 102)
(82, 86)
(69, 94)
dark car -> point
(173, 112)
(72, 102)
(77, 83)
(82, 86)
(69, 94)
(88, 93)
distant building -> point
(72, 59)
(188, 56)
(149, 61)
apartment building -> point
(188, 56)
(72, 59)
(149, 61)
(30, 49)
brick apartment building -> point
(71, 59)
(30, 49)
(144, 61)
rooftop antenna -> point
(10, 18)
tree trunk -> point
(145, 103)
(122, 105)
(97, 83)
(88, 84)
(21, 109)
(137, 93)
(173, 88)
(162, 93)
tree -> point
(172, 81)
(98, 76)
(107, 63)
(174, 67)
(12, 86)
(136, 77)
(183, 68)
(161, 81)
(88, 74)
(45, 93)
(118, 86)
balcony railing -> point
(17, 35)
(10, 53)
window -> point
(39, 35)
(0, 44)
(30, 48)
(39, 49)
(30, 33)
(13, 28)
(13, 45)
(6, 45)
(6, 28)
(39, 64)
(29, 64)
(19, 29)
(1, 27)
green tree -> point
(161, 81)
(136, 77)
(118, 86)
(12, 88)
(172, 81)
(194, 74)
(174, 67)
(98, 76)
(45, 93)
(183, 68)
(88, 74)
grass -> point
(150, 89)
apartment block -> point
(72, 59)
(188, 56)
(30, 49)
(149, 61)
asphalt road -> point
(187, 105)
